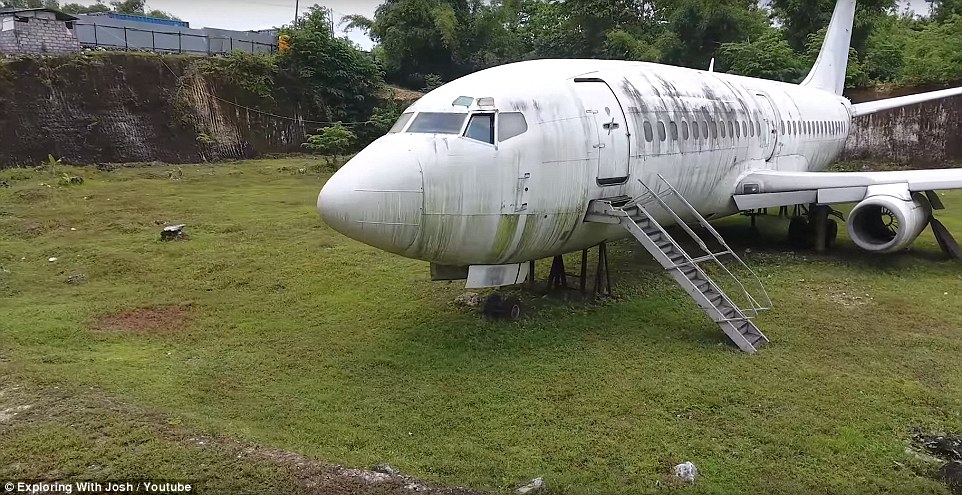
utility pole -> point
(297, 10)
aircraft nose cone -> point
(375, 198)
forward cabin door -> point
(769, 135)
(609, 133)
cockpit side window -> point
(401, 122)
(481, 128)
(511, 124)
(437, 123)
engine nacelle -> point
(889, 219)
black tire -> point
(512, 309)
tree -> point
(418, 37)
(934, 54)
(76, 8)
(331, 142)
(767, 57)
(943, 10)
(329, 76)
(698, 28)
(800, 18)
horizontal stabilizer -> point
(890, 103)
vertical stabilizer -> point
(828, 74)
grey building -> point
(37, 31)
(130, 33)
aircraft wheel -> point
(512, 309)
(800, 233)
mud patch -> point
(943, 449)
(166, 319)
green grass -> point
(303, 340)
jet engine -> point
(889, 221)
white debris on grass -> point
(686, 471)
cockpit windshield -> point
(401, 122)
(438, 123)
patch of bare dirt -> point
(163, 319)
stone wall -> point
(924, 135)
(38, 35)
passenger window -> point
(731, 130)
(684, 130)
(714, 130)
(758, 127)
(437, 123)
(401, 122)
(738, 130)
(661, 131)
(481, 128)
(782, 126)
(511, 124)
(744, 129)
(751, 128)
(694, 131)
(704, 129)
(722, 129)
(649, 136)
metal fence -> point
(170, 39)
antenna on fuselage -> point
(711, 65)
(828, 74)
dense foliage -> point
(136, 7)
(419, 41)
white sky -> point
(245, 15)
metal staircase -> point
(734, 320)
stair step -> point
(689, 274)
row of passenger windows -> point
(813, 128)
(480, 127)
(735, 129)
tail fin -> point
(828, 74)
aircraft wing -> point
(871, 107)
(770, 188)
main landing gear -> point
(811, 227)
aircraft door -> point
(769, 134)
(610, 135)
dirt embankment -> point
(110, 108)
(136, 107)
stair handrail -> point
(721, 240)
(756, 306)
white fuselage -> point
(591, 129)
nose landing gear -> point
(498, 307)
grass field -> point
(270, 329)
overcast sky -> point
(245, 15)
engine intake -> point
(886, 223)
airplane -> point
(535, 159)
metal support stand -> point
(602, 280)
(558, 279)
(584, 271)
(818, 215)
(531, 279)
